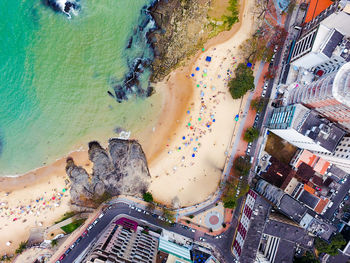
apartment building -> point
(323, 46)
(305, 128)
(124, 242)
(329, 95)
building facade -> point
(304, 128)
(323, 45)
(124, 242)
(330, 96)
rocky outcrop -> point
(183, 28)
(120, 170)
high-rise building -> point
(305, 128)
(341, 156)
(124, 242)
(323, 45)
(329, 95)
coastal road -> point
(222, 245)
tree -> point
(233, 17)
(22, 246)
(259, 103)
(307, 258)
(242, 82)
(331, 248)
(251, 134)
(54, 242)
(242, 166)
(148, 197)
(168, 214)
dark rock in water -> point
(66, 9)
(52, 4)
(110, 94)
(129, 43)
(122, 170)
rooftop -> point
(315, 8)
(174, 249)
(277, 172)
(292, 208)
(333, 41)
(309, 199)
(320, 130)
(257, 223)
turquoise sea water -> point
(55, 74)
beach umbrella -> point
(202, 94)
(208, 59)
(197, 68)
(249, 65)
(199, 119)
(189, 124)
(213, 120)
(203, 49)
(188, 112)
(183, 137)
(205, 70)
(192, 75)
(193, 155)
(64, 190)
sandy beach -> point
(186, 150)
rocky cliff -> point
(182, 25)
(120, 170)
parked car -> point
(101, 215)
(78, 240)
(155, 215)
(72, 246)
(89, 227)
(138, 210)
(202, 239)
(62, 257)
(193, 230)
(67, 251)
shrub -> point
(191, 216)
(148, 197)
(22, 246)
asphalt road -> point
(222, 245)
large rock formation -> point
(120, 170)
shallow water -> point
(55, 74)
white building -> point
(323, 46)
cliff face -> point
(120, 170)
(182, 30)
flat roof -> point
(309, 199)
(315, 8)
(174, 249)
(321, 166)
(292, 208)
